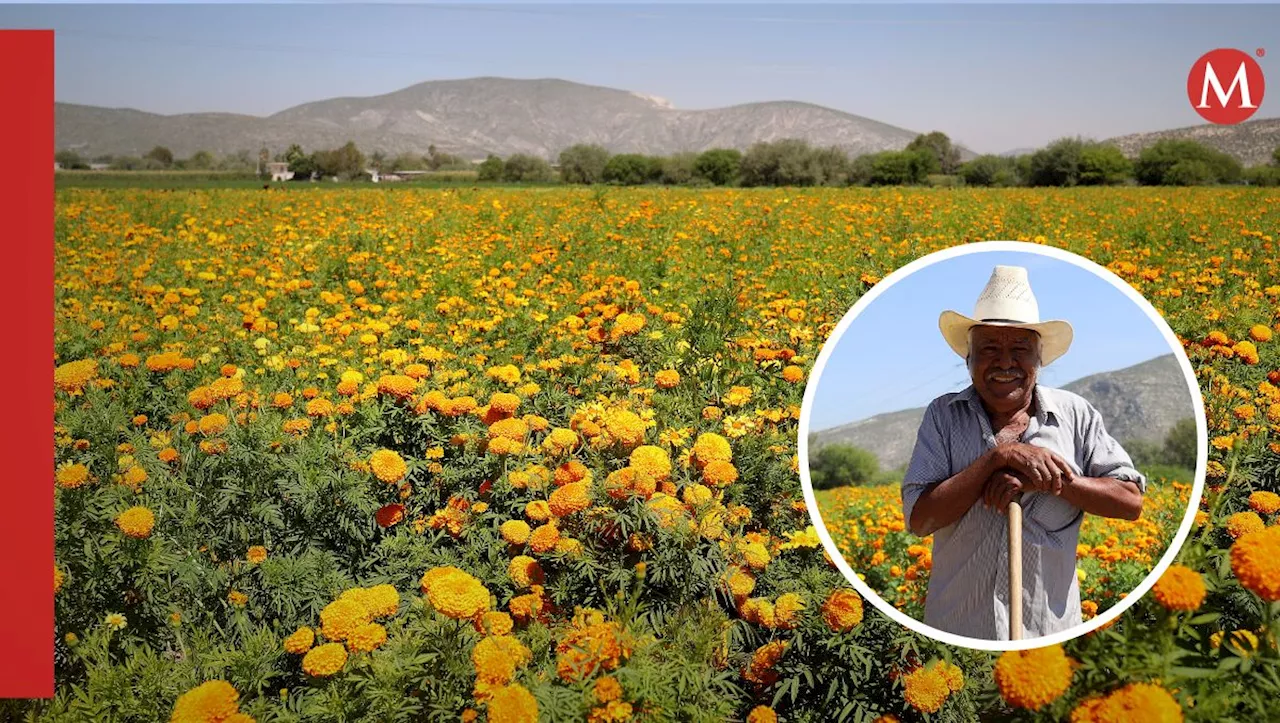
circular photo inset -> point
(1002, 445)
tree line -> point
(930, 159)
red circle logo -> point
(1225, 86)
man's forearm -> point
(947, 501)
(1105, 497)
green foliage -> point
(1185, 163)
(583, 163)
(719, 165)
(938, 145)
(900, 168)
(1180, 444)
(838, 463)
(792, 162)
(490, 169)
(437, 160)
(524, 168)
(678, 169)
(631, 169)
(1103, 165)
(70, 160)
(1058, 164)
(345, 162)
(160, 155)
(990, 170)
(1262, 176)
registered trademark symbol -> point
(1260, 52)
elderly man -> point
(1007, 438)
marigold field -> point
(517, 455)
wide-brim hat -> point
(1007, 301)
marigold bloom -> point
(624, 427)
(256, 554)
(525, 571)
(793, 374)
(58, 577)
(1260, 333)
(560, 442)
(719, 473)
(1179, 589)
(544, 538)
(571, 498)
(399, 386)
(324, 660)
(607, 688)
(389, 515)
(498, 657)
(494, 622)
(211, 425)
(71, 476)
(341, 617)
(926, 689)
(710, 447)
(1134, 702)
(366, 638)
(1242, 523)
(652, 461)
(842, 610)
(787, 609)
(512, 704)
(136, 522)
(760, 669)
(538, 511)
(1255, 560)
(667, 378)
(73, 376)
(388, 466)
(455, 593)
(1265, 503)
(214, 700)
(756, 555)
(515, 532)
(589, 648)
(762, 714)
(1032, 679)
(300, 641)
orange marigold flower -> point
(497, 658)
(652, 461)
(388, 466)
(512, 704)
(571, 498)
(341, 617)
(389, 515)
(324, 660)
(1242, 523)
(667, 378)
(624, 427)
(762, 714)
(926, 689)
(1247, 352)
(71, 476)
(1260, 333)
(73, 376)
(494, 622)
(366, 638)
(787, 609)
(399, 386)
(1134, 702)
(842, 610)
(793, 374)
(214, 700)
(256, 554)
(1180, 589)
(560, 442)
(515, 532)
(455, 593)
(1265, 503)
(58, 577)
(300, 641)
(544, 538)
(607, 688)
(719, 473)
(710, 447)
(538, 511)
(525, 571)
(1255, 560)
(136, 522)
(1032, 679)
(211, 425)
(513, 429)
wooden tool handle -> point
(1015, 570)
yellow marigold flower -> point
(740, 582)
(737, 396)
(341, 617)
(667, 378)
(366, 638)
(592, 645)
(719, 473)
(388, 466)
(282, 400)
(571, 498)
(116, 621)
(71, 476)
(1032, 679)
(136, 522)
(1260, 333)
(525, 571)
(237, 598)
(760, 611)
(455, 593)
(399, 386)
(513, 429)
(538, 511)
(1242, 523)
(256, 554)
(319, 407)
(214, 700)
(842, 610)
(624, 427)
(494, 622)
(925, 689)
(300, 641)
(1243, 641)
(134, 477)
(1247, 352)
(652, 461)
(324, 660)
(787, 609)
(626, 325)
(1180, 589)
(762, 714)
(1265, 503)
(756, 555)
(504, 403)
(512, 704)
(560, 442)
(58, 577)
(544, 538)
(695, 495)
(793, 374)
(515, 532)
(1255, 560)
(710, 447)
(497, 658)
(73, 376)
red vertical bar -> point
(26, 427)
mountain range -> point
(1139, 402)
(474, 117)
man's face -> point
(1003, 363)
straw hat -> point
(1007, 301)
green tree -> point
(989, 170)
(900, 168)
(583, 163)
(408, 162)
(345, 162)
(1102, 164)
(1275, 157)
(524, 168)
(1180, 444)
(438, 160)
(160, 155)
(631, 169)
(833, 166)
(378, 160)
(490, 169)
(1263, 176)
(1057, 164)
(1172, 162)
(786, 162)
(302, 164)
(718, 165)
(69, 159)
(200, 161)
(677, 169)
(938, 145)
(838, 464)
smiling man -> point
(1006, 438)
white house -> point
(279, 171)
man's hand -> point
(1002, 488)
(1037, 468)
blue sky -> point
(994, 77)
(913, 364)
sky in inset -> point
(994, 77)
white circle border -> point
(1202, 447)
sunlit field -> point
(516, 455)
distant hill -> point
(1143, 402)
(474, 117)
(1251, 142)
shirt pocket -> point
(1051, 516)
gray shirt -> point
(969, 584)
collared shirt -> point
(969, 583)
